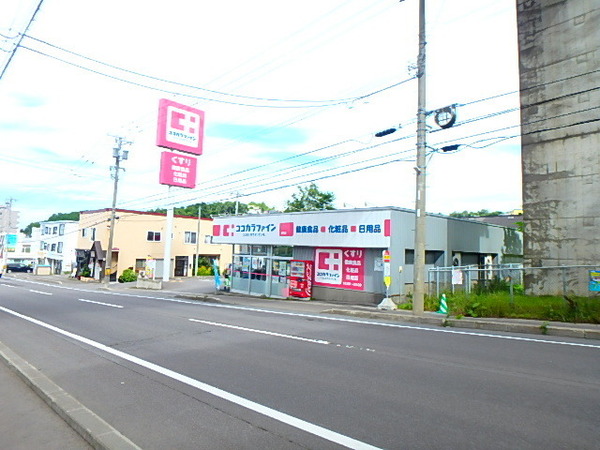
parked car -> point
(18, 267)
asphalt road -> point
(171, 373)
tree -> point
(64, 216)
(310, 198)
(480, 213)
(209, 210)
(53, 218)
(260, 207)
(29, 228)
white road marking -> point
(269, 333)
(332, 319)
(40, 292)
(100, 303)
(303, 425)
(7, 285)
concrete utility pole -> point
(119, 155)
(421, 169)
(198, 240)
(168, 241)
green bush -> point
(204, 271)
(85, 272)
(127, 276)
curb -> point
(542, 328)
(97, 432)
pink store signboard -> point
(340, 268)
(178, 170)
(180, 127)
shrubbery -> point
(127, 276)
(204, 271)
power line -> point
(18, 44)
(321, 103)
(164, 80)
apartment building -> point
(57, 243)
(139, 238)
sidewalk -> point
(26, 422)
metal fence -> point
(581, 281)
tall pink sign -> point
(180, 127)
(178, 170)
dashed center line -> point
(100, 303)
(286, 336)
(269, 333)
(40, 292)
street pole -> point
(118, 155)
(421, 170)
(198, 240)
(168, 241)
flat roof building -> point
(338, 255)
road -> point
(173, 373)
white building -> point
(58, 240)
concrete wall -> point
(560, 99)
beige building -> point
(139, 243)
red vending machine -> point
(301, 274)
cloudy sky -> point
(293, 92)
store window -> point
(259, 268)
(283, 251)
(259, 250)
(241, 249)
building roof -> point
(509, 221)
(147, 213)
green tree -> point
(310, 198)
(262, 207)
(480, 213)
(208, 209)
(29, 228)
(64, 216)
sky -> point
(293, 93)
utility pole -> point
(119, 155)
(421, 169)
(168, 241)
(198, 240)
(21, 36)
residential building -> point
(139, 243)
(58, 240)
(559, 60)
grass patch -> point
(499, 305)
